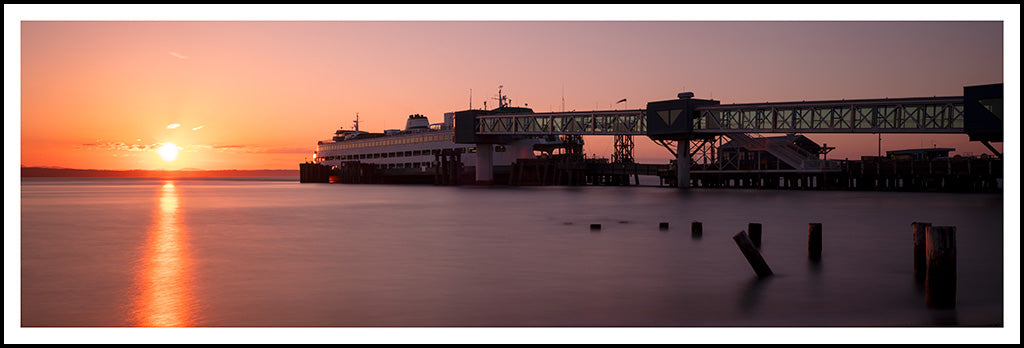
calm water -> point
(103, 252)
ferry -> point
(422, 152)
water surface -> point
(106, 252)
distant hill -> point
(43, 172)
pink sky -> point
(259, 94)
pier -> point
(723, 146)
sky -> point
(249, 93)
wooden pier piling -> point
(696, 229)
(814, 241)
(753, 256)
(940, 278)
(755, 233)
(663, 226)
(595, 227)
(920, 256)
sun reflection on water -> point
(163, 295)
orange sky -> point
(258, 95)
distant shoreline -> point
(42, 172)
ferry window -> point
(499, 148)
(472, 150)
(408, 153)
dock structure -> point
(867, 174)
(693, 126)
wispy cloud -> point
(177, 55)
(173, 126)
(119, 146)
(197, 128)
(260, 149)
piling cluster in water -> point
(934, 255)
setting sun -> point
(168, 151)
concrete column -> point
(484, 164)
(683, 164)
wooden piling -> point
(752, 255)
(920, 257)
(755, 233)
(814, 241)
(697, 229)
(663, 226)
(940, 278)
(595, 227)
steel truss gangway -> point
(605, 122)
(908, 115)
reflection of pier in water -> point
(163, 294)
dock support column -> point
(940, 276)
(683, 164)
(920, 250)
(753, 256)
(484, 164)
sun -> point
(168, 151)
